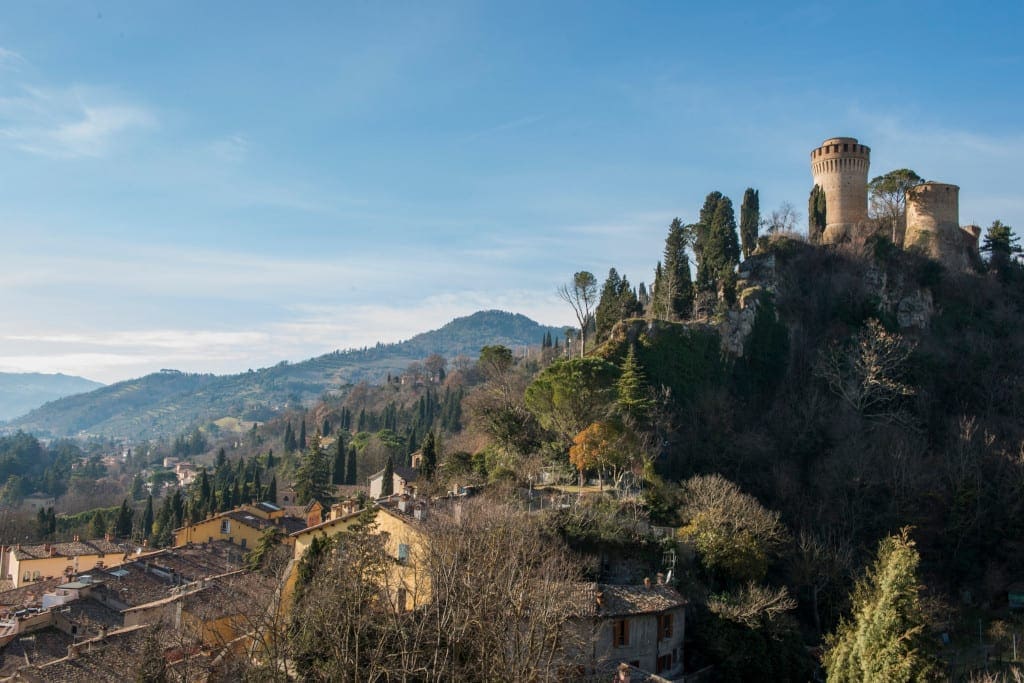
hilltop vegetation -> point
(169, 402)
(21, 392)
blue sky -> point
(219, 186)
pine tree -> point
(98, 526)
(388, 484)
(674, 295)
(750, 219)
(885, 641)
(350, 466)
(717, 245)
(428, 465)
(123, 523)
(312, 480)
(630, 395)
(618, 302)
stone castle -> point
(840, 169)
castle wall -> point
(933, 224)
(840, 168)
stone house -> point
(403, 480)
(641, 625)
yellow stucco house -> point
(400, 522)
(25, 564)
(244, 525)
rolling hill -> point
(168, 402)
(21, 392)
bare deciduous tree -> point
(581, 295)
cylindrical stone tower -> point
(933, 223)
(840, 168)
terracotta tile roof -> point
(99, 546)
(625, 600)
(111, 659)
(30, 595)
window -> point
(27, 576)
(403, 552)
(225, 526)
(243, 543)
(35, 576)
(620, 633)
(664, 663)
(664, 626)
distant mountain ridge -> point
(20, 392)
(168, 402)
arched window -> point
(27, 576)
(35, 575)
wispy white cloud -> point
(70, 123)
(10, 60)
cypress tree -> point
(270, 458)
(717, 246)
(205, 493)
(816, 215)
(326, 429)
(257, 486)
(148, 518)
(350, 466)
(388, 484)
(428, 465)
(272, 490)
(123, 523)
(302, 435)
(177, 508)
(221, 462)
(750, 218)
(338, 468)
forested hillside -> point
(21, 392)
(168, 402)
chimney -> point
(599, 598)
(647, 582)
(660, 578)
(107, 538)
(403, 504)
(77, 539)
(420, 512)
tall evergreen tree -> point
(429, 463)
(123, 523)
(618, 302)
(325, 430)
(717, 244)
(631, 398)
(750, 219)
(272, 490)
(222, 460)
(886, 640)
(1001, 245)
(673, 297)
(388, 483)
(148, 518)
(98, 526)
(312, 480)
(816, 215)
(350, 466)
(302, 435)
(338, 468)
